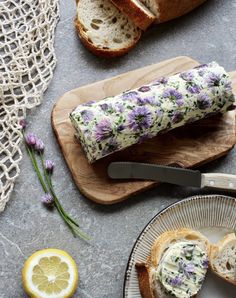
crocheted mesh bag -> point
(27, 60)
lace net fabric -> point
(27, 60)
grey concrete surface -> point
(208, 33)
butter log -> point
(118, 122)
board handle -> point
(220, 181)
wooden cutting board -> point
(189, 146)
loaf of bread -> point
(118, 122)
(176, 267)
(110, 28)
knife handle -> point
(220, 181)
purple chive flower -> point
(201, 66)
(39, 146)
(49, 165)
(180, 102)
(103, 130)
(31, 139)
(120, 108)
(204, 102)
(130, 95)
(144, 89)
(177, 281)
(177, 117)
(187, 76)
(89, 103)
(23, 123)
(227, 85)
(87, 115)
(172, 94)
(160, 81)
(159, 113)
(193, 89)
(147, 100)
(205, 263)
(104, 106)
(189, 268)
(140, 118)
(213, 80)
(120, 128)
(47, 199)
(201, 72)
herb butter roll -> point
(118, 122)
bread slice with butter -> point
(136, 11)
(223, 258)
(176, 267)
(104, 30)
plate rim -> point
(192, 198)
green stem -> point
(58, 204)
(35, 165)
(48, 187)
(73, 225)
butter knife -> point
(173, 175)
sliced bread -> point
(150, 285)
(152, 5)
(136, 11)
(103, 29)
(165, 10)
(223, 258)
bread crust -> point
(135, 13)
(102, 52)
(169, 10)
(144, 281)
(215, 250)
(167, 238)
(157, 250)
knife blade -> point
(173, 175)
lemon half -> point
(50, 273)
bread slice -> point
(223, 258)
(104, 30)
(136, 11)
(168, 10)
(151, 287)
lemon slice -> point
(50, 273)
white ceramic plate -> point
(213, 215)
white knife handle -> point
(220, 181)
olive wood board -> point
(189, 146)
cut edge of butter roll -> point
(118, 122)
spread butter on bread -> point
(176, 267)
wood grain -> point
(188, 146)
